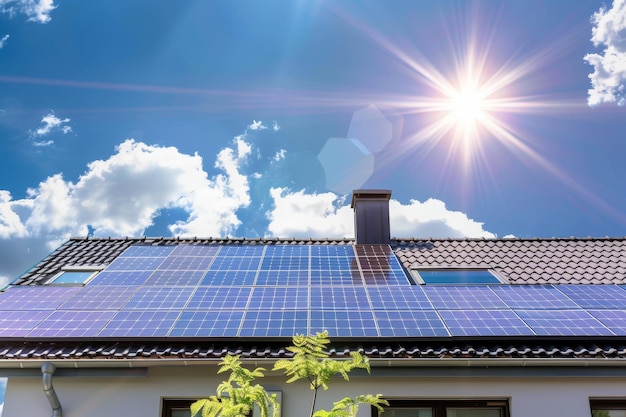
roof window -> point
(454, 275)
(74, 275)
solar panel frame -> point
(406, 323)
(274, 323)
(614, 320)
(563, 323)
(463, 298)
(72, 323)
(485, 323)
(533, 297)
(597, 297)
(207, 324)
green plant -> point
(236, 397)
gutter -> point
(47, 369)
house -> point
(452, 327)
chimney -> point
(371, 216)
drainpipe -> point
(47, 369)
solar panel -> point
(596, 296)
(148, 251)
(219, 298)
(563, 323)
(195, 250)
(282, 251)
(283, 323)
(142, 323)
(615, 320)
(188, 263)
(236, 263)
(344, 323)
(337, 277)
(162, 298)
(216, 278)
(279, 298)
(231, 250)
(339, 298)
(533, 297)
(283, 277)
(35, 298)
(170, 277)
(409, 298)
(99, 298)
(207, 324)
(484, 323)
(278, 263)
(120, 278)
(463, 298)
(72, 324)
(319, 263)
(19, 323)
(332, 250)
(135, 264)
(410, 324)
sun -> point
(467, 105)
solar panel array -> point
(195, 291)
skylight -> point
(454, 276)
(74, 275)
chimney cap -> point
(369, 195)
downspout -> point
(47, 369)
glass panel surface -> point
(458, 276)
(608, 413)
(408, 412)
(473, 412)
(73, 277)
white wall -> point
(141, 396)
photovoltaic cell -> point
(285, 263)
(283, 251)
(484, 323)
(72, 324)
(410, 324)
(253, 251)
(279, 298)
(236, 263)
(533, 297)
(99, 298)
(339, 298)
(283, 277)
(285, 323)
(19, 323)
(406, 298)
(140, 323)
(196, 250)
(463, 298)
(207, 324)
(135, 264)
(35, 298)
(181, 278)
(390, 277)
(337, 277)
(615, 320)
(219, 298)
(186, 263)
(332, 250)
(162, 298)
(229, 278)
(141, 251)
(344, 323)
(120, 278)
(563, 323)
(595, 296)
(333, 263)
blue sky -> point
(254, 118)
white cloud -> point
(3, 41)
(120, 196)
(52, 123)
(280, 155)
(257, 125)
(608, 80)
(36, 10)
(299, 214)
(275, 126)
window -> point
(454, 276)
(445, 408)
(608, 407)
(180, 407)
(74, 275)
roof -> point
(522, 262)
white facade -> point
(550, 392)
